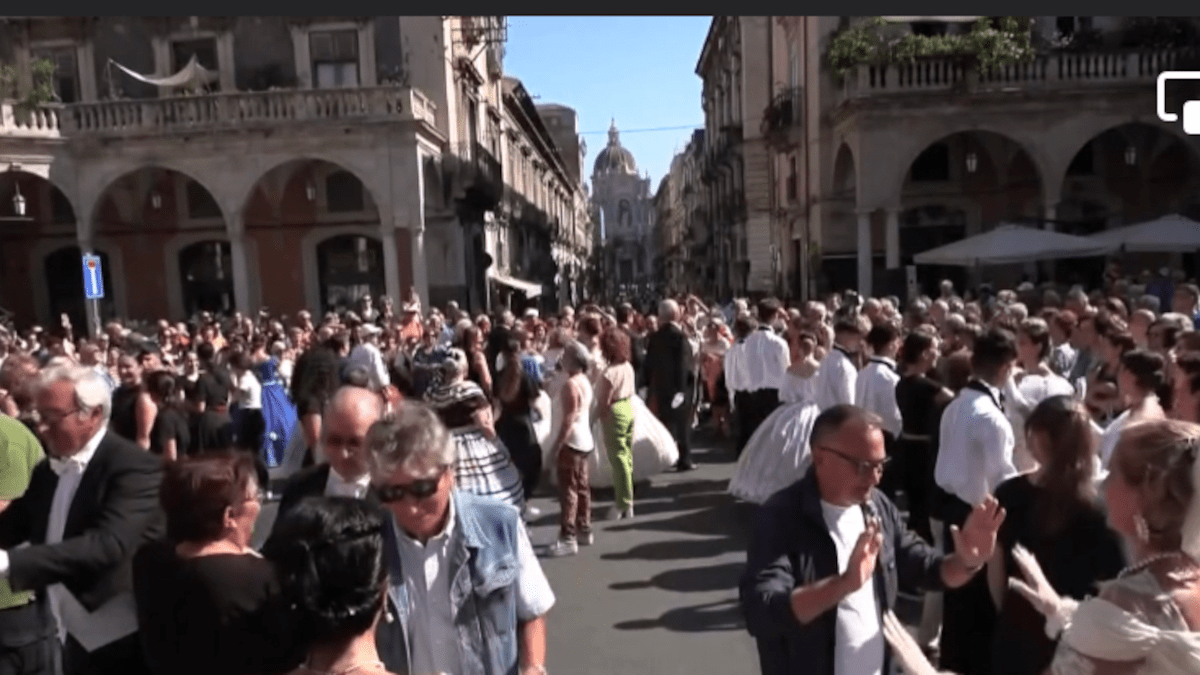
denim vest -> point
(483, 572)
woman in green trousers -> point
(615, 388)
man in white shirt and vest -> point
(837, 380)
(875, 391)
(344, 425)
(758, 372)
(975, 455)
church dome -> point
(614, 158)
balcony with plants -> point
(877, 59)
(34, 115)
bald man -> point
(344, 425)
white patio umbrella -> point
(1167, 234)
(1007, 244)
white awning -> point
(529, 288)
(192, 75)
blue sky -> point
(638, 69)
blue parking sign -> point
(93, 277)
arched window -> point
(349, 267)
(206, 277)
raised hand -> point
(905, 648)
(861, 565)
(1035, 587)
(977, 539)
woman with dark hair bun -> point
(169, 437)
(329, 554)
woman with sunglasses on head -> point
(1054, 513)
(330, 556)
(206, 601)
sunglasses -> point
(418, 490)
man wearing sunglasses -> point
(829, 553)
(461, 567)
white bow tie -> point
(68, 465)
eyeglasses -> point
(53, 418)
(864, 467)
(419, 490)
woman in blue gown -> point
(279, 415)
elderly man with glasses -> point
(461, 566)
(829, 553)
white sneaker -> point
(586, 539)
(562, 548)
(532, 512)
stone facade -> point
(323, 159)
(889, 161)
(626, 210)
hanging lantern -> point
(18, 202)
(1131, 155)
(972, 162)
(310, 191)
(155, 201)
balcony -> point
(1049, 73)
(17, 121)
(242, 110)
(785, 114)
(477, 175)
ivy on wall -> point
(991, 43)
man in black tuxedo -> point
(344, 425)
(88, 509)
(671, 380)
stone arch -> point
(106, 176)
(1141, 170)
(310, 258)
(375, 191)
(114, 179)
(1074, 138)
(845, 178)
(906, 148)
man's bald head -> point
(344, 426)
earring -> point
(1141, 528)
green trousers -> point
(618, 441)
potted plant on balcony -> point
(40, 92)
(992, 42)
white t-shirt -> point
(249, 391)
(858, 645)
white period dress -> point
(778, 453)
(654, 450)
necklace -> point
(1150, 561)
(373, 665)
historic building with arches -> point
(626, 207)
(326, 158)
(865, 169)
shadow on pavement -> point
(679, 549)
(720, 519)
(689, 580)
(725, 615)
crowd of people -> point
(1023, 463)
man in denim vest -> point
(466, 595)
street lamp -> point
(1131, 155)
(972, 162)
(18, 202)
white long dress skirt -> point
(778, 453)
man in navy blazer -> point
(89, 506)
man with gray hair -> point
(443, 546)
(88, 509)
(670, 379)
